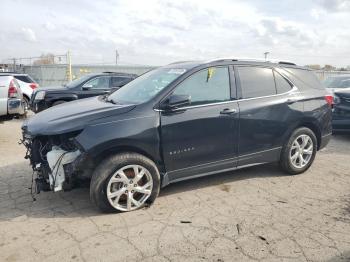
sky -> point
(158, 32)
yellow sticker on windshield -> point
(210, 73)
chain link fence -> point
(322, 74)
(54, 75)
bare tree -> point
(45, 59)
(315, 67)
(328, 67)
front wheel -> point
(124, 182)
(299, 152)
(25, 104)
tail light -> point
(329, 99)
(13, 92)
(33, 85)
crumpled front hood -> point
(71, 116)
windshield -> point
(78, 81)
(338, 82)
(145, 87)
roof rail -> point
(117, 73)
(286, 63)
(180, 62)
(250, 60)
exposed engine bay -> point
(55, 160)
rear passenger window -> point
(256, 81)
(25, 79)
(282, 85)
(119, 81)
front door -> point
(202, 137)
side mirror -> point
(175, 101)
(87, 87)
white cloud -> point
(315, 13)
(336, 5)
(49, 26)
(28, 34)
(162, 31)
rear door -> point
(268, 106)
(201, 138)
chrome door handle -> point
(228, 111)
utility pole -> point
(116, 57)
(69, 67)
(265, 54)
(14, 65)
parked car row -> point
(178, 122)
(39, 99)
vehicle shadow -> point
(16, 199)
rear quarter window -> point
(282, 85)
(26, 79)
(306, 77)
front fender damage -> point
(58, 162)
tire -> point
(290, 160)
(58, 102)
(26, 103)
(109, 169)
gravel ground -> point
(255, 214)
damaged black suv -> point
(177, 122)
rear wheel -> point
(124, 182)
(299, 152)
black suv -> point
(86, 86)
(177, 122)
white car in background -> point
(11, 98)
(27, 85)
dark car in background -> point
(84, 87)
(177, 122)
(341, 110)
(339, 86)
(337, 82)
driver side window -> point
(210, 85)
(101, 82)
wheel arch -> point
(26, 96)
(314, 128)
(97, 158)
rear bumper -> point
(325, 140)
(15, 106)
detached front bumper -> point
(15, 106)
